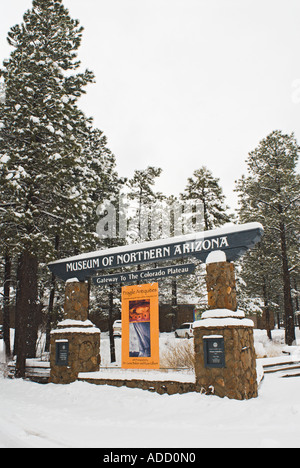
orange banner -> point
(140, 327)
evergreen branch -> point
(269, 189)
(52, 215)
(268, 204)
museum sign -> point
(234, 241)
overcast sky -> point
(186, 83)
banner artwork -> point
(140, 327)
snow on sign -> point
(233, 240)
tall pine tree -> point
(43, 137)
(270, 194)
(143, 198)
(205, 188)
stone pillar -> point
(236, 376)
(225, 359)
(75, 344)
(76, 301)
(220, 283)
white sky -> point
(186, 83)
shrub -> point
(178, 354)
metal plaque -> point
(214, 352)
(62, 353)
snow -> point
(74, 323)
(77, 330)
(73, 329)
(223, 313)
(225, 322)
(72, 280)
(223, 318)
(86, 415)
(50, 128)
(4, 159)
(35, 119)
(56, 157)
(139, 374)
(209, 337)
(216, 257)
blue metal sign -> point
(234, 241)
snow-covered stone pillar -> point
(225, 359)
(75, 344)
(220, 282)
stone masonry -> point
(81, 336)
(236, 377)
(221, 286)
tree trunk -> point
(267, 310)
(110, 326)
(51, 303)
(278, 321)
(296, 295)
(174, 305)
(297, 302)
(290, 335)
(50, 312)
(26, 310)
(6, 306)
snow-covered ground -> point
(85, 415)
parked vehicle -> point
(117, 328)
(185, 330)
(1, 332)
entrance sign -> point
(145, 275)
(140, 327)
(234, 240)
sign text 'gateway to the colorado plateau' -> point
(145, 275)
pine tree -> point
(42, 138)
(102, 185)
(270, 194)
(202, 186)
(4, 254)
(142, 194)
(204, 189)
(258, 279)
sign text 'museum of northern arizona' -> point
(234, 240)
